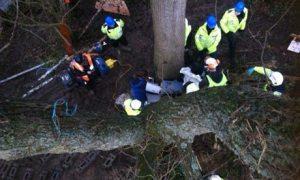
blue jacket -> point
(138, 89)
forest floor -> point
(26, 51)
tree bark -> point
(256, 127)
(168, 25)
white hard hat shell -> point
(276, 78)
(215, 177)
(136, 104)
(192, 88)
(211, 61)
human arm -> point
(120, 22)
(197, 40)
(244, 21)
(223, 22)
(217, 39)
(104, 29)
(259, 70)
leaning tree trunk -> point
(256, 127)
(168, 24)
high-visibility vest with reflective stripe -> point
(115, 33)
(129, 110)
(212, 83)
(230, 22)
(210, 41)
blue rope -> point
(68, 112)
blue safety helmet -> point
(110, 22)
(239, 6)
(211, 21)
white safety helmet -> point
(215, 177)
(136, 104)
(276, 78)
(193, 87)
(212, 63)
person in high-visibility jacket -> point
(208, 37)
(132, 107)
(113, 28)
(234, 20)
(276, 78)
(214, 76)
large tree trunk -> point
(256, 127)
(168, 24)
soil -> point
(26, 51)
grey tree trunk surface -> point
(256, 126)
(168, 25)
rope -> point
(69, 112)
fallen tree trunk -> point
(254, 125)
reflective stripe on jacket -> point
(209, 41)
(129, 110)
(230, 22)
(188, 29)
(115, 33)
(212, 83)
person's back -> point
(138, 89)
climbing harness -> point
(68, 113)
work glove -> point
(250, 71)
(92, 67)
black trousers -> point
(231, 37)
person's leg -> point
(201, 55)
(232, 46)
(189, 57)
(123, 40)
(197, 67)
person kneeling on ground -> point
(132, 107)
(214, 76)
(276, 78)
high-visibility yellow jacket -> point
(212, 83)
(129, 110)
(203, 40)
(230, 22)
(188, 29)
(115, 33)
